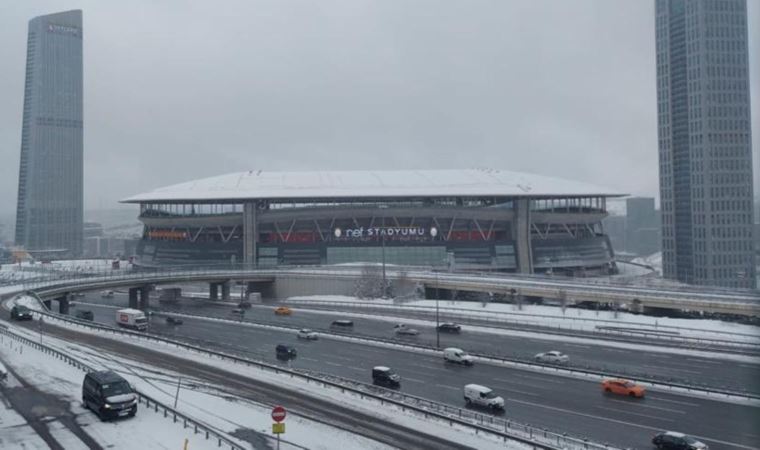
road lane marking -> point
(333, 364)
(535, 377)
(677, 402)
(591, 416)
(639, 404)
(447, 387)
(413, 380)
(308, 359)
(697, 372)
(518, 392)
(648, 416)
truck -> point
(132, 318)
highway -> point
(561, 404)
(634, 361)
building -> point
(704, 140)
(642, 227)
(49, 211)
(614, 228)
(484, 219)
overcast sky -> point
(176, 90)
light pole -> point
(437, 322)
(382, 240)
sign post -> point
(278, 428)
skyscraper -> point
(50, 193)
(704, 138)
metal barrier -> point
(187, 421)
(504, 429)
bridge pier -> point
(48, 304)
(225, 290)
(63, 304)
(144, 301)
(213, 291)
(133, 297)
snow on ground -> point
(150, 429)
(331, 437)
(15, 433)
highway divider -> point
(149, 402)
(504, 429)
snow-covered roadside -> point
(455, 433)
(150, 429)
(571, 318)
(15, 432)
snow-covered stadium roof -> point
(259, 184)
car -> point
(285, 351)
(309, 335)
(108, 395)
(283, 311)
(553, 357)
(85, 314)
(342, 323)
(450, 327)
(21, 312)
(671, 440)
(174, 320)
(457, 355)
(384, 376)
(106, 294)
(623, 387)
(478, 395)
(406, 331)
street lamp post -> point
(437, 322)
(382, 240)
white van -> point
(457, 355)
(475, 394)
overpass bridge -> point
(139, 282)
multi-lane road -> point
(561, 404)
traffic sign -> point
(278, 428)
(278, 413)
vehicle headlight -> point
(107, 406)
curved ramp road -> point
(577, 407)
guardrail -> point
(495, 319)
(503, 428)
(187, 421)
(500, 359)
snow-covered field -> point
(570, 318)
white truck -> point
(132, 318)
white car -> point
(477, 395)
(405, 331)
(553, 357)
(307, 334)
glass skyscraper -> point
(50, 192)
(704, 139)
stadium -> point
(478, 219)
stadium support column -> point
(133, 297)
(250, 233)
(522, 236)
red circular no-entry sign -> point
(278, 413)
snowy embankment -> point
(557, 317)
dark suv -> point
(85, 314)
(108, 395)
(670, 440)
(285, 351)
(384, 376)
(449, 327)
(20, 312)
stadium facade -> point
(479, 218)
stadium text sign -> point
(370, 232)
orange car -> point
(283, 311)
(623, 387)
